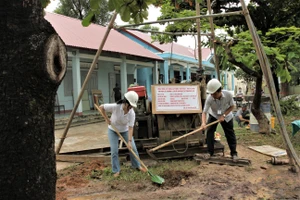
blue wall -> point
(144, 78)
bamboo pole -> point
(198, 24)
(109, 27)
(213, 39)
(166, 33)
(184, 18)
(266, 68)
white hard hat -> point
(213, 85)
(132, 97)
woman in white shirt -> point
(122, 117)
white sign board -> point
(176, 99)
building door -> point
(87, 99)
(111, 82)
(116, 78)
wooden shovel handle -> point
(119, 134)
(183, 136)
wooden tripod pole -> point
(109, 27)
(212, 30)
(199, 35)
(266, 68)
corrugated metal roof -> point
(177, 48)
(74, 34)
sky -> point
(188, 41)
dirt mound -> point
(175, 178)
(76, 177)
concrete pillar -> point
(181, 73)
(123, 75)
(135, 72)
(76, 79)
(171, 71)
(188, 73)
(155, 73)
(165, 72)
(145, 77)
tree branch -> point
(232, 59)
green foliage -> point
(149, 27)
(178, 9)
(45, 3)
(87, 10)
(289, 107)
(282, 46)
(241, 75)
(131, 9)
(265, 14)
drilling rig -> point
(173, 111)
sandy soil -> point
(260, 180)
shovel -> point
(178, 138)
(154, 178)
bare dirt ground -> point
(260, 180)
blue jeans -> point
(114, 149)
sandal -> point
(142, 169)
(116, 174)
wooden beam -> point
(85, 158)
(212, 29)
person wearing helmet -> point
(219, 105)
(122, 117)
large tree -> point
(32, 64)
(282, 46)
(80, 8)
(265, 14)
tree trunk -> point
(276, 83)
(263, 122)
(255, 109)
(32, 65)
(284, 89)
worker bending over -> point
(219, 105)
(122, 117)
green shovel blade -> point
(156, 178)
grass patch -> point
(131, 175)
(248, 138)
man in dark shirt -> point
(116, 93)
(243, 115)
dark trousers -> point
(229, 134)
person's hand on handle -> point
(108, 121)
(221, 118)
(203, 125)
